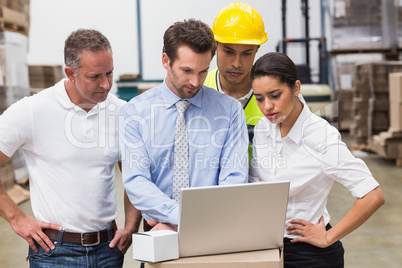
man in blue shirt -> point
(216, 129)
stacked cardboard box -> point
(370, 107)
(17, 5)
(344, 112)
(14, 16)
(364, 24)
(388, 144)
(44, 76)
(395, 102)
(399, 22)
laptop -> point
(232, 218)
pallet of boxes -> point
(14, 16)
(370, 103)
(14, 84)
(388, 144)
(44, 76)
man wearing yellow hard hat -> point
(239, 31)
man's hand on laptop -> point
(161, 226)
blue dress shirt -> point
(217, 147)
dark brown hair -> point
(192, 33)
(277, 65)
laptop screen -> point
(232, 218)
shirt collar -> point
(296, 131)
(63, 98)
(170, 99)
(275, 130)
(218, 82)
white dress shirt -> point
(312, 156)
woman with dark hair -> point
(293, 144)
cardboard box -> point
(12, 16)
(271, 258)
(44, 76)
(395, 114)
(156, 246)
(395, 86)
(389, 134)
(388, 148)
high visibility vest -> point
(251, 111)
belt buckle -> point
(93, 244)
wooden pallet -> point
(397, 162)
(381, 151)
(6, 26)
(12, 20)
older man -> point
(68, 134)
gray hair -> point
(80, 41)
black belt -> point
(84, 239)
(146, 226)
(287, 240)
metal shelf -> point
(389, 53)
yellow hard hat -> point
(239, 23)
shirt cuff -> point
(364, 187)
(174, 216)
